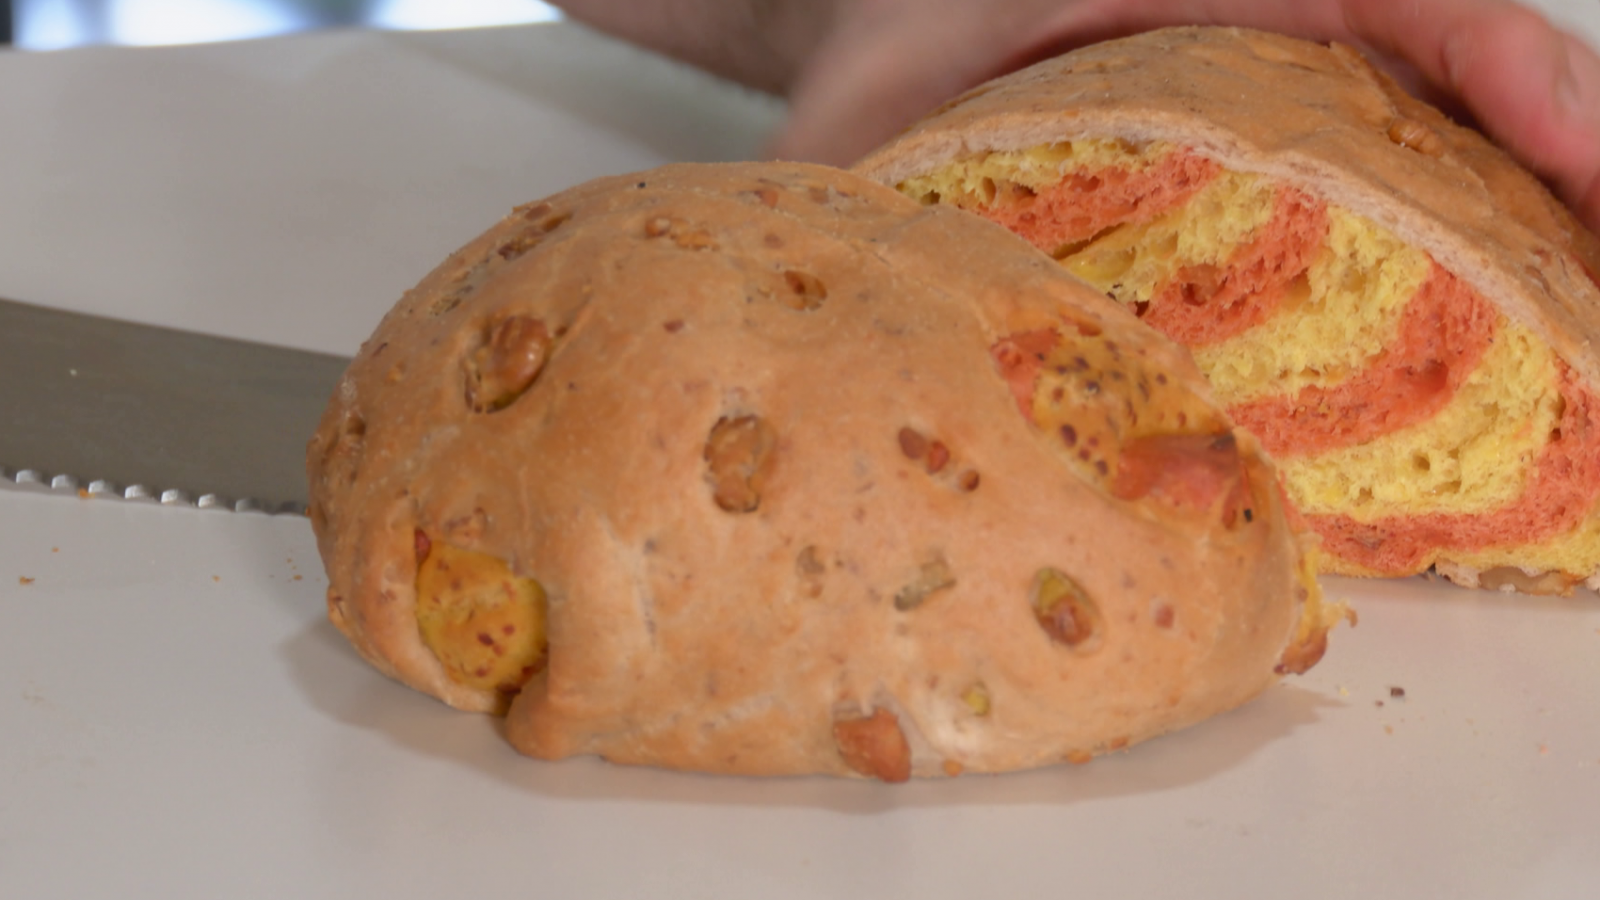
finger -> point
(1317, 20)
(1583, 104)
(880, 71)
(1533, 88)
(877, 75)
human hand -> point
(857, 71)
(1532, 87)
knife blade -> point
(102, 407)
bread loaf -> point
(766, 469)
(1404, 317)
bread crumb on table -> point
(25, 580)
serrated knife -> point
(102, 407)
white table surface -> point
(288, 190)
(178, 720)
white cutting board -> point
(177, 720)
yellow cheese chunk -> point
(484, 623)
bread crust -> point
(756, 639)
(1325, 120)
(1320, 117)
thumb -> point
(880, 70)
(1536, 91)
(1577, 102)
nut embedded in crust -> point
(811, 571)
(738, 458)
(933, 576)
(806, 291)
(1510, 578)
(1299, 657)
(912, 443)
(1413, 135)
(1065, 612)
(976, 698)
(686, 237)
(1317, 617)
(511, 357)
(875, 746)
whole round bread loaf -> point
(766, 469)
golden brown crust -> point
(774, 485)
(1320, 117)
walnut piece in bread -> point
(766, 469)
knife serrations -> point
(100, 488)
(105, 408)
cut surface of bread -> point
(1398, 313)
(766, 469)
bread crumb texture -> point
(767, 469)
(1416, 423)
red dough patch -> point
(1083, 205)
(1187, 471)
(1443, 333)
(1206, 304)
(1020, 357)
